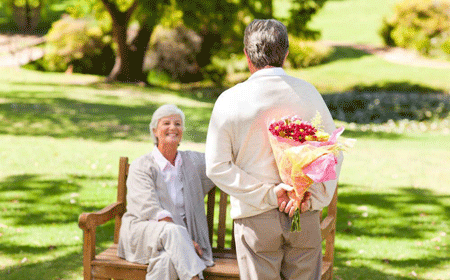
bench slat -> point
(223, 267)
(326, 226)
(210, 212)
(221, 230)
(108, 263)
(327, 270)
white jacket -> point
(239, 159)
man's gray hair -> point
(164, 111)
(266, 42)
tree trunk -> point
(129, 62)
(211, 41)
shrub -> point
(78, 43)
(215, 73)
(174, 51)
(305, 53)
(380, 107)
(423, 25)
(177, 52)
(386, 32)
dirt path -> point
(18, 50)
(396, 55)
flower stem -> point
(295, 225)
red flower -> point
(293, 128)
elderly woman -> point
(165, 223)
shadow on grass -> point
(391, 215)
(57, 268)
(105, 120)
(36, 110)
(382, 106)
(345, 272)
(408, 214)
(345, 53)
(30, 200)
(61, 267)
(372, 134)
(395, 87)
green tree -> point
(300, 15)
(130, 52)
(221, 24)
(210, 19)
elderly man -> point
(239, 160)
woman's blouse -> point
(172, 178)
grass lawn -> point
(393, 209)
(349, 68)
(392, 221)
(60, 141)
(350, 21)
(353, 21)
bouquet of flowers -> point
(305, 154)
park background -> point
(62, 133)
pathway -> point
(396, 55)
(18, 50)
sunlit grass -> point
(393, 196)
(352, 21)
(60, 105)
(350, 68)
(393, 206)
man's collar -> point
(271, 71)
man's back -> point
(241, 117)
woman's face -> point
(169, 130)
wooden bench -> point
(107, 265)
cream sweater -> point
(239, 158)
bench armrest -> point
(89, 221)
(326, 226)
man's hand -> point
(285, 204)
(305, 205)
(166, 219)
(198, 249)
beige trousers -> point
(266, 249)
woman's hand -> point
(198, 249)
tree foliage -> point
(79, 44)
(219, 23)
(31, 16)
(420, 25)
(301, 14)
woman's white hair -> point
(164, 111)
